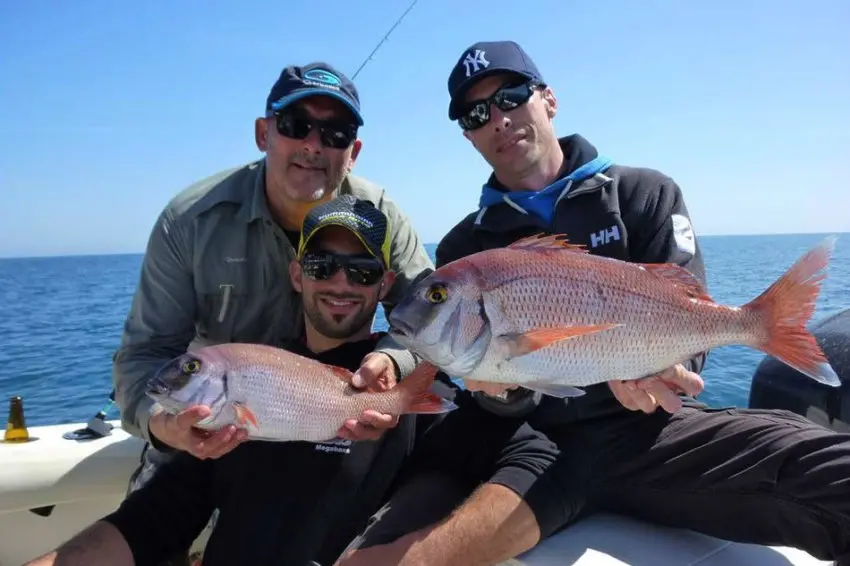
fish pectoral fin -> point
(244, 414)
(554, 389)
(346, 376)
(521, 343)
(680, 277)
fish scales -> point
(542, 312)
(660, 323)
(279, 395)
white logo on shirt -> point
(338, 446)
(683, 234)
(605, 236)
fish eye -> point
(437, 294)
(192, 366)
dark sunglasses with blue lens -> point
(359, 269)
(296, 124)
(509, 97)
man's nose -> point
(499, 119)
(313, 141)
(340, 280)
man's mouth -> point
(305, 167)
(339, 306)
(510, 142)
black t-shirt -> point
(279, 502)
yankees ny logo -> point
(475, 61)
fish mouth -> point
(158, 387)
(400, 329)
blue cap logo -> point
(323, 77)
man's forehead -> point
(321, 106)
(337, 237)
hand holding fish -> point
(178, 431)
(662, 390)
(376, 372)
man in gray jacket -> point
(215, 267)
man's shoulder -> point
(461, 229)
(365, 189)
(227, 186)
(631, 179)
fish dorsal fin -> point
(543, 242)
(345, 375)
(681, 278)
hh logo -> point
(474, 62)
(605, 236)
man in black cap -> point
(214, 268)
(764, 477)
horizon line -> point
(142, 252)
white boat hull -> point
(84, 480)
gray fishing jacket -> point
(216, 270)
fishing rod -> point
(384, 39)
(97, 425)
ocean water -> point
(61, 318)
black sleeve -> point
(456, 244)
(661, 232)
(476, 445)
(168, 513)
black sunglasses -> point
(335, 134)
(359, 270)
(507, 98)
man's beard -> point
(335, 327)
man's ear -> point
(386, 284)
(295, 275)
(261, 134)
(550, 100)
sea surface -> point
(61, 318)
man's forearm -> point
(101, 544)
(493, 525)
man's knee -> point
(422, 501)
(151, 460)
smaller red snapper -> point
(549, 316)
(279, 395)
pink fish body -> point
(278, 395)
(551, 317)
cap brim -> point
(303, 245)
(460, 93)
(287, 100)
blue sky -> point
(109, 108)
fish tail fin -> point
(784, 309)
(418, 398)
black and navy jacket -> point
(629, 213)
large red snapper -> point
(279, 395)
(551, 317)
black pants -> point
(757, 476)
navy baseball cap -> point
(360, 216)
(483, 59)
(297, 82)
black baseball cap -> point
(297, 82)
(483, 59)
(361, 217)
